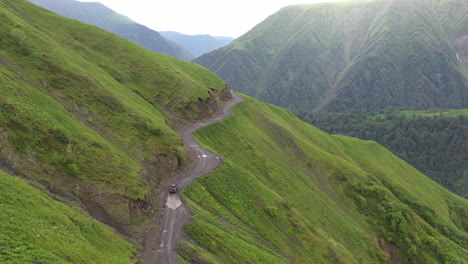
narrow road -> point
(176, 213)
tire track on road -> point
(176, 213)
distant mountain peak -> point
(368, 55)
(99, 15)
(197, 44)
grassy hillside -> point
(290, 193)
(31, 230)
(90, 115)
(434, 142)
(103, 17)
(368, 55)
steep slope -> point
(290, 193)
(434, 142)
(197, 44)
(367, 55)
(31, 230)
(101, 16)
(91, 116)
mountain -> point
(197, 44)
(87, 117)
(87, 133)
(434, 142)
(368, 55)
(288, 192)
(101, 16)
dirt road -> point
(176, 213)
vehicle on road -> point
(173, 188)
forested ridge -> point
(339, 56)
(436, 145)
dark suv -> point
(173, 188)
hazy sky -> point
(215, 17)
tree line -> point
(435, 145)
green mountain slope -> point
(101, 16)
(434, 142)
(368, 55)
(33, 232)
(88, 118)
(197, 44)
(90, 115)
(290, 193)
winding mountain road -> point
(176, 213)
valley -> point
(94, 129)
(433, 141)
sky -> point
(230, 18)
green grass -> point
(36, 122)
(36, 229)
(288, 192)
(191, 253)
(433, 141)
(90, 115)
(103, 101)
